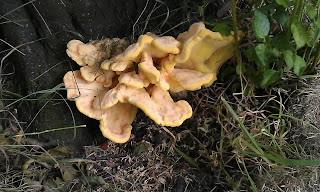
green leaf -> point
(318, 23)
(201, 10)
(275, 53)
(222, 28)
(262, 53)
(292, 162)
(242, 69)
(250, 53)
(281, 15)
(300, 35)
(299, 65)
(260, 24)
(281, 42)
(269, 76)
(289, 59)
(311, 11)
(284, 3)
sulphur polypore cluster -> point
(115, 79)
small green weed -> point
(286, 35)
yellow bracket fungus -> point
(110, 89)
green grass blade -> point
(31, 94)
(167, 15)
(244, 129)
(45, 95)
(42, 132)
(297, 119)
(186, 157)
(14, 21)
(309, 76)
(292, 162)
(11, 93)
(2, 16)
(252, 183)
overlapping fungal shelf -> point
(115, 78)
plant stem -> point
(296, 10)
(236, 40)
(316, 59)
(235, 31)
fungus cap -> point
(156, 47)
(112, 85)
(133, 79)
(106, 78)
(90, 73)
(158, 105)
(84, 93)
(115, 122)
(116, 65)
(146, 68)
(95, 52)
(84, 54)
(200, 48)
(183, 79)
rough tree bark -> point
(42, 36)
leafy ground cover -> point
(252, 130)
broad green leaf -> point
(289, 59)
(262, 53)
(222, 28)
(300, 35)
(311, 11)
(269, 76)
(284, 3)
(250, 53)
(275, 52)
(281, 15)
(281, 42)
(240, 68)
(299, 65)
(260, 24)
